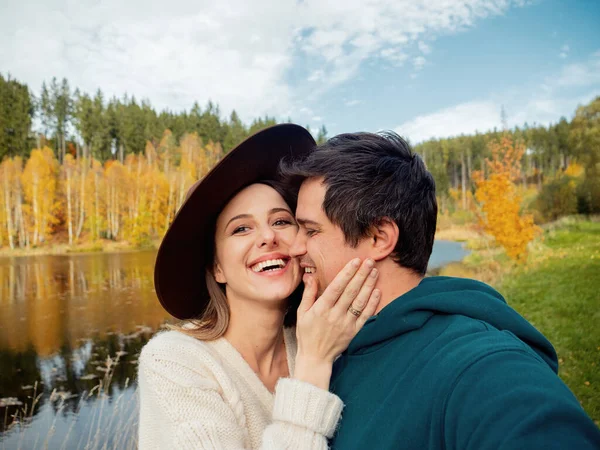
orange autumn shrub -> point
(500, 200)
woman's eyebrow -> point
(277, 210)
(239, 216)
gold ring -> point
(353, 311)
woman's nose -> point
(267, 237)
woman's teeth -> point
(309, 270)
(271, 264)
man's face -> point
(320, 245)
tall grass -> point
(113, 423)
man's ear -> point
(384, 237)
(219, 275)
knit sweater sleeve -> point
(194, 411)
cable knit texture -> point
(203, 395)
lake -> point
(71, 328)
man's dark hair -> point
(369, 177)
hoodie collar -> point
(448, 296)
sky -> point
(424, 68)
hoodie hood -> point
(450, 296)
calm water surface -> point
(71, 329)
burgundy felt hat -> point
(179, 272)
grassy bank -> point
(558, 291)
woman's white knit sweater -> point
(203, 395)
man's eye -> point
(310, 233)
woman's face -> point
(253, 235)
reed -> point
(113, 423)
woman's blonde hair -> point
(214, 320)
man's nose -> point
(298, 247)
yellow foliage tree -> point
(133, 200)
(95, 201)
(574, 170)
(116, 187)
(70, 177)
(39, 186)
(500, 200)
(10, 199)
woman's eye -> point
(240, 229)
(281, 222)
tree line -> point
(548, 153)
(116, 169)
(69, 120)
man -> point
(445, 363)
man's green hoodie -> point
(449, 365)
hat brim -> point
(179, 271)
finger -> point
(360, 301)
(355, 285)
(369, 310)
(336, 288)
(309, 295)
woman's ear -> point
(219, 275)
(384, 237)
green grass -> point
(560, 296)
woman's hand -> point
(327, 324)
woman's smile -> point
(272, 264)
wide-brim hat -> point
(179, 272)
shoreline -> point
(76, 249)
(457, 233)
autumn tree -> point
(500, 200)
(116, 186)
(73, 183)
(39, 186)
(11, 201)
(95, 204)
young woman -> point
(236, 374)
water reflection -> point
(51, 301)
(65, 322)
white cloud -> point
(424, 48)
(341, 35)
(564, 51)
(352, 102)
(580, 74)
(237, 53)
(394, 55)
(172, 55)
(316, 75)
(463, 118)
(419, 62)
(553, 99)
